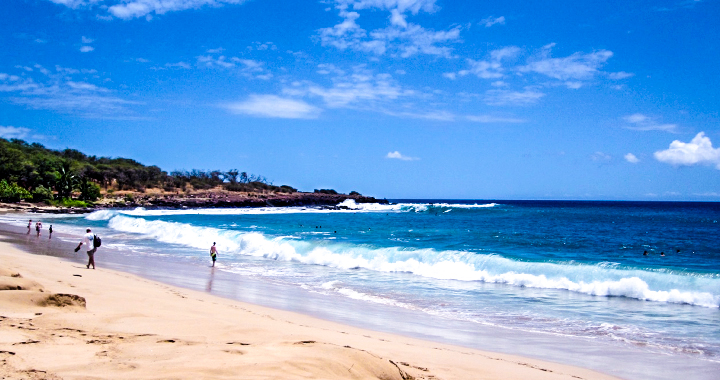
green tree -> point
(11, 192)
(89, 191)
(66, 180)
(41, 193)
(232, 175)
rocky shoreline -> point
(226, 199)
(208, 199)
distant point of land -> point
(36, 178)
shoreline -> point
(134, 327)
(628, 361)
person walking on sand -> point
(88, 240)
(213, 253)
(29, 226)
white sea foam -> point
(597, 280)
(350, 293)
(101, 215)
(349, 205)
(425, 207)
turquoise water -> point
(573, 269)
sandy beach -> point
(59, 320)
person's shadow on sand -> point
(210, 280)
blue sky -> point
(391, 98)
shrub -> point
(11, 192)
(326, 191)
(355, 193)
(41, 193)
(237, 187)
(67, 202)
(287, 189)
(89, 191)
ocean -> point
(559, 280)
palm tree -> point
(66, 180)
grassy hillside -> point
(33, 172)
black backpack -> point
(96, 241)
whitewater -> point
(571, 269)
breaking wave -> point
(602, 279)
(349, 205)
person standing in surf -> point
(213, 253)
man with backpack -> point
(91, 242)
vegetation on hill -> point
(31, 171)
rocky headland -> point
(215, 198)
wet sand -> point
(61, 320)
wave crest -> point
(597, 280)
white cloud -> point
(273, 106)
(699, 151)
(575, 67)
(76, 3)
(483, 69)
(262, 46)
(600, 157)
(344, 35)
(210, 61)
(573, 72)
(636, 118)
(400, 37)
(181, 65)
(430, 115)
(246, 67)
(83, 86)
(87, 40)
(641, 122)
(402, 6)
(398, 156)
(708, 194)
(11, 132)
(361, 88)
(493, 119)
(620, 75)
(414, 39)
(128, 9)
(329, 68)
(490, 21)
(491, 68)
(507, 52)
(60, 91)
(631, 158)
(86, 49)
(90, 105)
(138, 8)
(507, 97)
